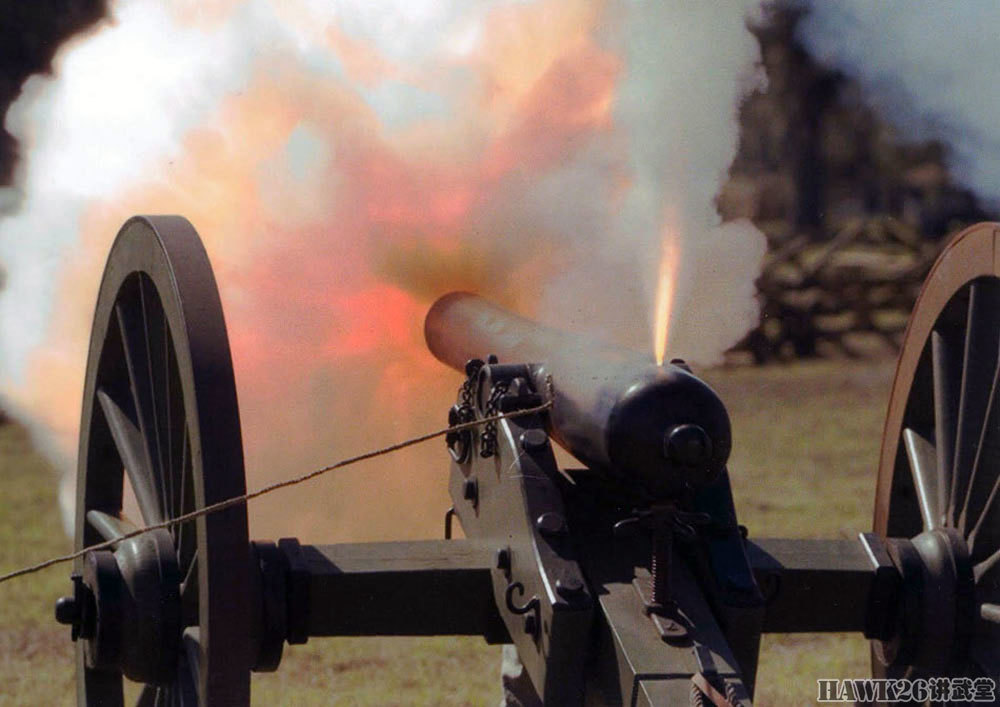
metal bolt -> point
(688, 445)
(459, 443)
(531, 625)
(518, 387)
(72, 611)
(680, 363)
(569, 586)
(67, 611)
(551, 523)
(503, 559)
(470, 491)
(533, 440)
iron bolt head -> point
(569, 586)
(534, 440)
(680, 363)
(503, 559)
(531, 625)
(551, 523)
(688, 445)
(470, 490)
(459, 443)
(518, 386)
(73, 610)
(67, 611)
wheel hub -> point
(126, 607)
(936, 607)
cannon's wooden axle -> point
(442, 587)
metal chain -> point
(488, 437)
(465, 410)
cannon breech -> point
(659, 428)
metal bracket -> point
(509, 498)
(881, 613)
(270, 569)
(449, 516)
(297, 591)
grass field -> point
(806, 440)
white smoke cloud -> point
(120, 103)
(932, 66)
(317, 142)
(690, 64)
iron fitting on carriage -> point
(933, 614)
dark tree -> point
(30, 33)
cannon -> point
(625, 581)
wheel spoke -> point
(946, 353)
(980, 569)
(923, 467)
(97, 687)
(167, 397)
(177, 439)
(185, 539)
(979, 370)
(985, 513)
(985, 651)
(156, 341)
(189, 593)
(132, 320)
(193, 652)
(108, 526)
(977, 517)
(186, 692)
(990, 613)
(135, 459)
(149, 697)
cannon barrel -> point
(658, 427)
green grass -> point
(36, 656)
(806, 440)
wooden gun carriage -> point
(628, 581)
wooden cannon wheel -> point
(169, 608)
(939, 473)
